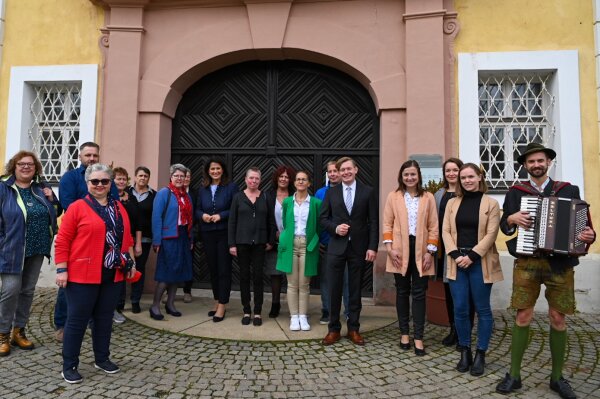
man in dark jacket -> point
(349, 213)
(554, 271)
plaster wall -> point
(559, 25)
(513, 25)
(51, 35)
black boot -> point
(275, 307)
(478, 363)
(466, 359)
(451, 338)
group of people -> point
(109, 228)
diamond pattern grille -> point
(514, 110)
(267, 114)
(54, 132)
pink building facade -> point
(399, 51)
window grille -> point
(55, 128)
(514, 110)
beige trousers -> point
(298, 284)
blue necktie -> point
(348, 200)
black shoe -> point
(72, 376)
(466, 360)
(135, 308)
(420, 352)
(563, 388)
(509, 384)
(246, 319)
(212, 313)
(451, 338)
(107, 366)
(324, 317)
(217, 319)
(257, 322)
(275, 308)
(174, 313)
(156, 316)
(478, 366)
(405, 346)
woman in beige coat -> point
(469, 232)
(410, 234)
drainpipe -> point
(596, 4)
(2, 7)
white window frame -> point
(21, 95)
(566, 114)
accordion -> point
(556, 225)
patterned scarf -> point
(185, 206)
(113, 221)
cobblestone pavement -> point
(156, 364)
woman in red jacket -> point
(94, 253)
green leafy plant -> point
(433, 186)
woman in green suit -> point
(298, 253)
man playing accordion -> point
(555, 271)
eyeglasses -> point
(178, 177)
(95, 182)
(25, 164)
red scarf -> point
(185, 206)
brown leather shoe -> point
(331, 338)
(355, 337)
(4, 344)
(18, 338)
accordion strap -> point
(529, 189)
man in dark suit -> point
(350, 214)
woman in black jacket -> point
(251, 231)
(212, 213)
(144, 199)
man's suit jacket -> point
(364, 220)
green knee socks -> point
(520, 339)
(558, 346)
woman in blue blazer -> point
(212, 214)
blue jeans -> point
(16, 294)
(469, 282)
(89, 301)
(324, 286)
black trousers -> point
(411, 284)
(251, 259)
(336, 264)
(219, 263)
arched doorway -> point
(267, 113)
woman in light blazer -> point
(410, 234)
(469, 232)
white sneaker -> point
(294, 323)
(304, 326)
(118, 318)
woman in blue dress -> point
(172, 215)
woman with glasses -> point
(94, 254)
(298, 252)
(283, 187)
(28, 211)
(251, 232)
(469, 231)
(212, 212)
(172, 216)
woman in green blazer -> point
(298, 253)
